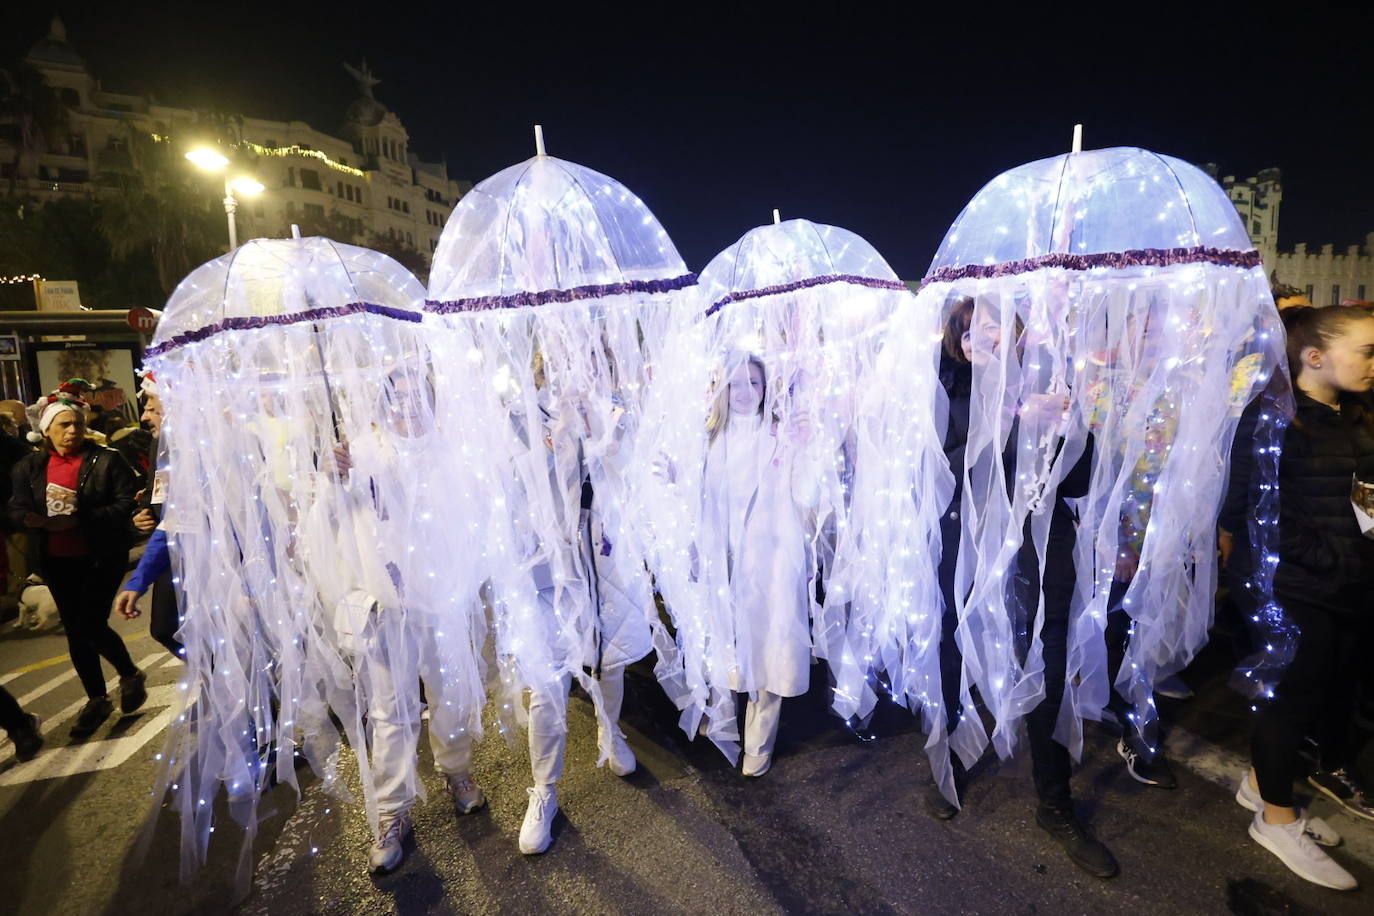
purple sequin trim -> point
(809, 282)
(1143, 257)
(264, 321)
(550, 296)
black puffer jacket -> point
(1324, 561)
(104, 500)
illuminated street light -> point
(246, 186)
(211, 160)
(208, 159)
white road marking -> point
(90, 756)
(50, 721)
(172, 662)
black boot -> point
(1087, 853)
(27, 738)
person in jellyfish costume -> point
(745, 480)
(302, 520)
(554, 284)
(1121, 322)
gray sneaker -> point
(389, 849)
(467, 795)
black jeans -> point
(84, 588)
(11, 716)
(1051, 765)
(1316, 696)
(165, 618)
(1118, 635)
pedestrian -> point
(1323, 581)
(155, 566)
(25, 729)
(76, 497)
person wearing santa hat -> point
(76, 497)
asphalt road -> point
(837, 825)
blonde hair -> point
(719, 419)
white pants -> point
(549, 736)
(393, 717)
(761, 719)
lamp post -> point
(213, 161)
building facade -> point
(1327, 277)
(367, 181)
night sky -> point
(880, 121)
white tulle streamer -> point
(1142, 354)
(296, 573)
(745, 510)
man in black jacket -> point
(76, 497)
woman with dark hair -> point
(1323, 581)
(76, 497)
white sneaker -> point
(621, 760)
(756, 765)
(536, 832)
(1295, 849)
(1321, 833)
(467, 795)
(388, 851)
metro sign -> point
(144, 320)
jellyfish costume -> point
(1120, 324)
(303, 481)
(745, 476)
(553, 283)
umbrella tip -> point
(1077, 139)
(777, 217)
(295, 231)
(539, 140)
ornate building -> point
(1328, 278)
(364, 182)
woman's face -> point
(1347, 364)
(746, 389)
(406, 401)
(985, 339)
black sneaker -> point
(132, 692)
(91, 715)
(27, 738)
(1087, 853)
(1150, 770)
(1344, 790)
(937, 806)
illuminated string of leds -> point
(21, 278)
(282, 151)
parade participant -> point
(758, 497)
(76, 497)
(1323, 583)
(553, 284)
(427, 625)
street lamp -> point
(213, 161)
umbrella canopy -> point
(554, 283)
(1109, 321)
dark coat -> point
(105, 500)
(1324, 561)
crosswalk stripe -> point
(71, 710)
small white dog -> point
(37, 610)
